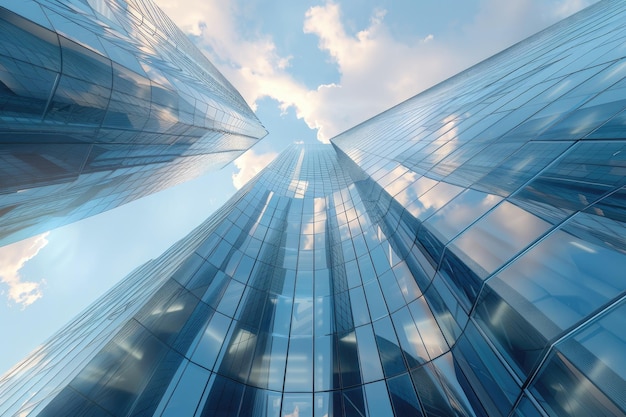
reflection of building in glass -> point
(459, 254)
(103, 102)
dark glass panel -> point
(117, 376)
(485, 373)
(403, 396)
(23, 166)
(551, 288)
(27, 73)
(587, 172)
(388, 347)
(428, 386)
(353, 402)
(188, 393)
(564, 391)
(260, 403)
(224, 398)
(71, 403)
(585, 374)
(348, 359)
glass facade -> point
(461, 254)
(103, 102)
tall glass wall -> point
(103, 102)
(503, 187)
(460, 254)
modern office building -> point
(461, 254)
(103, 102)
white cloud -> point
(12, 259)
(376, 69)
(568, 7)
(250, 164)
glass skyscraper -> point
(461, 254)
(103, 102)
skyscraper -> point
(103, 102)
(459, 254)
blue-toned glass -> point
(389, 349)
(590, 364)
(556, 284)
(371, 369)
(587, 172)
(455, 216)
(459, 254)
(186, 396)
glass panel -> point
(432, 200)
(586, 374)
(323, 363)
(403, 397)
(348, 359)
(497, 237)
(211, 341)
(368, 354)
(277, 354)
(224, 397)
(428, 329)
(375, 300)
(322, 404)
(201, 280)
(410, 340)
(230, 300)
(456, 386)
(406, 282)
(521, 167)
(299, 374)
(360, 313)
(434, 399)
(297, 405)
(486, 246)
(259, 403)
(391, 291)
(526, 408)
(116, 376)
(588, 171)
(354, 403)
(388, 347)
(378, 404)
(188, 392)
(552, 287)
(302, 317)
(485, 372)
(455, 216)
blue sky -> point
(310, 69)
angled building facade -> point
(103, 102)
(461, 254)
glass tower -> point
(103, 102)
(460, 254)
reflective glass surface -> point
(103, 102)
(460, 254)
